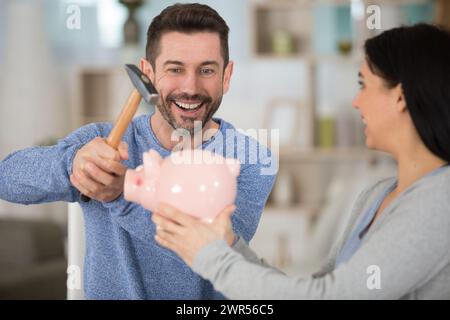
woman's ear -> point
(147, 69)
(401, 101)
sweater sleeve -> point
(401, 255)
(42, 174)
(242, 247)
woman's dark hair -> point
(186, 18)
(418, 58)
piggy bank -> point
(197, 182)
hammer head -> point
(142, 84)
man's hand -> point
(186, 235)
(97, 171)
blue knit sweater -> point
(122, 259)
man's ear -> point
(147, 69)
(401, 101)
(227, 76)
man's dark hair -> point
(186, 18)
(417, 57)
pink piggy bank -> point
(197, 182)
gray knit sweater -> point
(404, 255)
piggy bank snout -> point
(132, 185)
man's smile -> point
(188, 109)
(188, 106)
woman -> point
(397, 243)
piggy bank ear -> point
(234, 166)
(152, 163)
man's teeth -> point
(188, 106)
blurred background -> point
(296, 65)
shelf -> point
(273, 209)
(278, 57)
(311, 58)
(282, 29)
(338, 59)
(299, 28)
(99, 93)
(324, 41)
(289, 154)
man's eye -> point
(207, 71)
(175, 70)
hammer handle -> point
(121, 125)
(124, 119)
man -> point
(187, 60)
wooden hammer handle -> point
(121, 125)
(124, 119)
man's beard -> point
(210, 105)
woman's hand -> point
(186, 235)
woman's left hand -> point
(186, 235)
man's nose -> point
(190, 83)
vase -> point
(131, 28)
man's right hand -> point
(97, 171)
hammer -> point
(143, 88)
